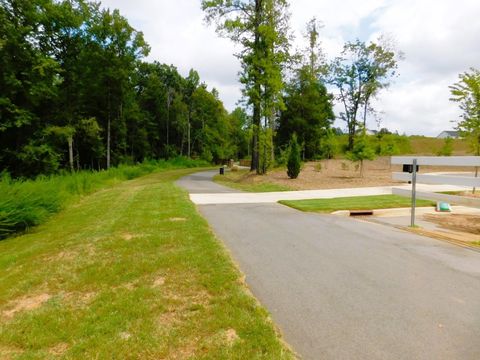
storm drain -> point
(361, 212)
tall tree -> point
(359, 74)
(261, 28)
(308, 111)
(314, 56)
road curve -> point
(345, 289)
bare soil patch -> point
(176, 219)
(340, 173)
(26, 304)
(59, 349)
(231, 336)
(457, 222)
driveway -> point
(340, 288)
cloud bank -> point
(439, 40)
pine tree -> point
(294, 161)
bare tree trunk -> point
(169, 101)
(108, 132)
(188, 138)
(108, 142)
(70, 152)
(255, 148)
(272, 147)
(365, 115)
(256, 100)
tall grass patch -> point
(27, 203)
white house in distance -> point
(448, 134)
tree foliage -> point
(466, 92)
(362, 150)
(261, 28)
(75, 93)
(359, 74)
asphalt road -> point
(340, 288)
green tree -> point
(466, 92)
(74, 93)
(362, 150)
(294, 162)
(308, 112)
(359, 74)
(308, 106)
(261, 28)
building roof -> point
(450, 133)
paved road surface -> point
(344, 289)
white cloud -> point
(438, 37)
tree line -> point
(286, 91)
(76, 93)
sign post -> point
(414, 192)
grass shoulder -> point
(132, 270)
(246, 181)
(353, 203)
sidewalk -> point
(273, 197)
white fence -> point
(444, 179)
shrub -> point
(447, 148)
(282, 157)
(294, 161)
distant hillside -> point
(422, 145)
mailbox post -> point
(414, 191)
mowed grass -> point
(353, 203)
(130, 272)
(240, 180)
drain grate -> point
(361, 212)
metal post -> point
(414, 191)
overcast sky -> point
(440, 39)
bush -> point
(447, 148)
(294, 161)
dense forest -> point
(76, 94)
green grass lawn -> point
(129, 272)
(236, 180)
(354, 203)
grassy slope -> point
(430, 146)
(129, 272)
(239, 180)
(24, 204)
(354, 203)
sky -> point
(439, 39)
